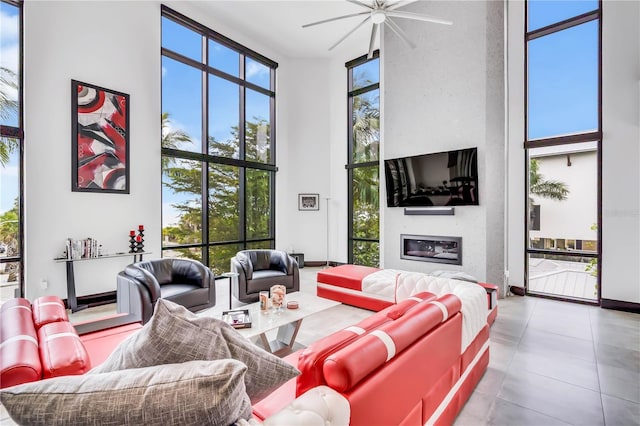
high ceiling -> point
(278, 24)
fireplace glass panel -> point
(428, 248)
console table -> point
(72, 300)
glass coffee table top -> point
(287, 321)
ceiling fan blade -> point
(417, 16)
(351, 32)
(359, 3)
(372, 41)
(335, 19)
(392, 6)
(398, 31)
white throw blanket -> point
(381, 283)
(394, 285)
(472, 296)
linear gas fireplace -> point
(431, 248)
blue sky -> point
(563, 71)
(182, 86)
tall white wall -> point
(114, 45)
(621, 151)
(302, 162)
(620, 154)
(338, 153)
(448, 93)
(515, 158)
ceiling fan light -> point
(378, 16)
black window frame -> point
(206, 159)
(583, 137)
(18, 133)
(351, 165)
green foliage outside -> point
(9, 229)
(9, 220)
(9, 243)
(8, 79)
(223, 202)
(8, 107)
(366, 180)
(592, 266)
(545, 188)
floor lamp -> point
(327, 256)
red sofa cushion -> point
(312, 358)
(100, 344)
(347, 276)
(346, 367)
(19, 358)
(47, 309)
(61, 350)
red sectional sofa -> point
(404, 365)
(375, 289)
(413, 363)
(37, 341)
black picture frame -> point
(99, 139)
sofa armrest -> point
(135, 298)
(242, 265)
(135, 274)
(319, 406)
(290, 263)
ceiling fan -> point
(380, 12)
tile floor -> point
(552, 363)
(558, 363)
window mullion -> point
(204, 149)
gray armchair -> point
(183, 281)
(258, 270)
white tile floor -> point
(552, 363)
(559, 363)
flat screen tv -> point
(438, 179)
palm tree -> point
(541, 187)
(366, 123)
(171, 138)
(8, 106)
(8, 81)
(7, 147)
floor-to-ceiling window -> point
(563, 146)
(363, 168)
(218, 144)
(11, 148)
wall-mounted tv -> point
(439, 179)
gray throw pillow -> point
(175, 335)
(192, 393)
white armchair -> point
(320, 406)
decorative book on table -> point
(239, 318)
